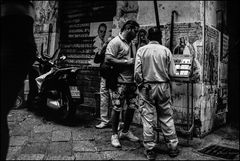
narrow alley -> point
(34, 136)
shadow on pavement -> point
(83, 116)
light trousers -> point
(151, 96)
(104, 101)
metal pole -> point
(204, 39)
(158, 26)
(187, 105)
(192, 110)
(156, 14)
(222, 30)
(49, 39)
(171, 30)
(188, 95)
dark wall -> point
(77, 44)
(233, 28)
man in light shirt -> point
(121, 55)
(154, 67)
(104, 91)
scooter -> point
(29, 90)
(58, 90)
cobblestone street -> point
(34, 137)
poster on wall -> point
(187, 38)
(101, 31)
(210, 75)
(187, 41)
(42, 43)
(223, 77)
(223, 66)
(225, 45)
(84, 40)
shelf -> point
(183, 69)
(181, 79)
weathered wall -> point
(213, 13)
(46, 13)
(210, 92)
(147, 15)
(79, 22)
(211, 7)
(189, 23)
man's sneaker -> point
(129, 135)
(150, 154)
(115, 142)
(173, 152)
(101, 125)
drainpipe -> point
(222, 28)
(156, 14)
(49, 39)
(171, 30)
(158, 26)
(204, 39)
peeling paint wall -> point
(211, 7)
(147, 15)
(46, 14)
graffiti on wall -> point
(45, 20)
(46, 12)
(210, 75)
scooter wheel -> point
(66, 110)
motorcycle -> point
(29, 91)
(58, 89)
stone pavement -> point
(35, 137)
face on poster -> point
(101, 31)
(98, 29)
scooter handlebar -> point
(40, 60)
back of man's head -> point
(130, 24)
(155, 34)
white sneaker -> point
(115, 142)
(129, 135)
(101, 125)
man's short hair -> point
(102, 25)
(130, 24)
(143, 31)
(154, 33)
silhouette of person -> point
(18, 50)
